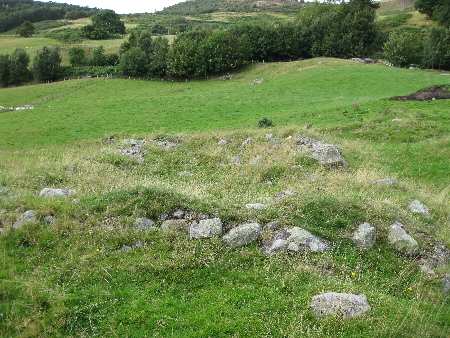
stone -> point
(125, 248)
(175, 225)
(402, 241)
(365, 236)
(256, 160)
(222, 142)
(446, 284)
(133, 148)
(50, 220)
(27, 217)
(179, 214)
(284, 194)
(256, 206)
(186, 174)
(143, 224)
(49, 192)
(294, 239)
(271, 137)
(206, 228)
(5, 192)
(2, 231)
(342, 305)
(386, 181)
(418, 207)
(243, 234)
(247, 141)
(327, 154)
(272, 225)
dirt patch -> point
(431, 93)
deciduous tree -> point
(26, 29)
(46, 64)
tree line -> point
(342, 30)
(14, 12)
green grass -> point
(71, 280)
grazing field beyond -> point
(87, 271)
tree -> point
(5, 70)
(404, 47)
(442, 13)
(94, 33)
(98, 57)
(436, 53)
(158, 57)
(19, 67)
(426, 6)
(77, 56)
(26, 29)
(133, 62)
(110, 21)
(46, 65)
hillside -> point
(146, 164)
(209, 6)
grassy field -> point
(71, 279)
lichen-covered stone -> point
(343, 305)
(27, 217)
(243, 234)
(402, 241)
(205, 228)
(175, 225)
(365, 236)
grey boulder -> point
(365, 236)
(49, 192)
(205, 228)
(343, 305)
(27, 217)
(402, 241)
(243, 234)
(295, 239)
(143, 224)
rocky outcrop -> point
(243, 234)
(294, 239)
(343, 305)
(365, 236)
(206, 228)
(402, 241)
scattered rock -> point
(343, 305)
(365, 236)
(386, 181)
(5, 192)
(186, 174)
(27, 217)
(296, 166)
(133, 148)
(294, 239)
(284, 194)
(143, 224)
(446, 284)
(401, 241)
(437, 256)
(246, 142)
(222, 142)
(243, 234)
(2, 231)
(257, 81)
(256, 206)
(125, 248)
(418, 207)
(49, 192)
(256, 160)
(206, 228)
(324, 153)
(426, 269)
(271, 137)
(169, 142)
(327, 154)
(175, 225)
(179, 214)
(50, 220)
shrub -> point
(265, 123)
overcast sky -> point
(125, 6)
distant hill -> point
(209, 6)
(14, 12)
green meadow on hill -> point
(71, 279)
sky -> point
(124, 6)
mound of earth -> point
(431, 93)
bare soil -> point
(429, 94)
